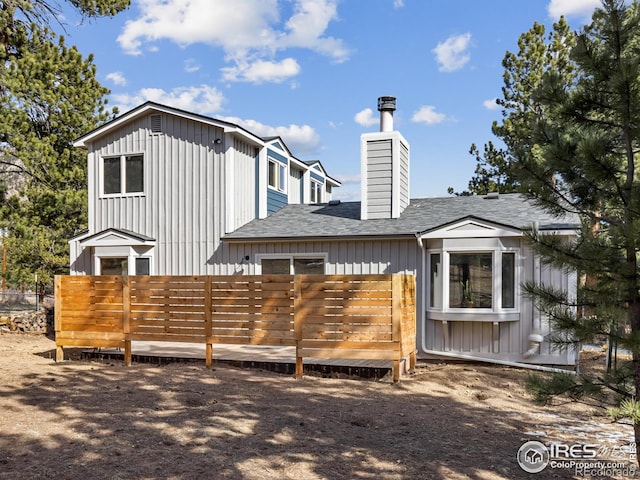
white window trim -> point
(316, 186)
(131, 260)
(291, 257)
(496, 294)
(123, 173)
(284, 179)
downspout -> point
(535, 338)
(462, 356)
(507, 363)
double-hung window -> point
(277, 175)
(123, 174)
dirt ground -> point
(101, 420)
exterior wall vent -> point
(156, 123)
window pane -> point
(272, 174)
(435, 286)
(111, 174)
(283, 178)
(113, 265)
(313, 266)
(470, 280)
(143, 265)
(134, 173)
(508, 280)
(272, 266)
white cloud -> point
(250, 32)
(190, 65)
(398, 3)
(261, 71)
(491, 104)
(300, 139)
(203, 99)
(365, 118)
(427, 114)
(452, 54)
(572, 8)
(117, 78)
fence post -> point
(126, 318)
(57, 315)
(298, 318)
(208, 326)
(396, 320)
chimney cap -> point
(386, 104)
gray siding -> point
(379, 178)
(343, 256)
(187, 223)
(404, 176)
(296, 185)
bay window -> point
(485, 281)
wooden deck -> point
(276, 358)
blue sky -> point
(311, 71)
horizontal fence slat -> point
(339, 316)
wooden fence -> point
(328, 316)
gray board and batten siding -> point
(186, 199)
(352, 245)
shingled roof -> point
(342, 220)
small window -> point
(308, 266)
(111, 172)
(143, 266)
(435, 287)
(277, 175)
(508, 280)
(316, 192)
(113, 266)
(295, 265)
(276, 266)
(123, 174)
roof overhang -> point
(145, 108)
(476, 227)
(113, 237)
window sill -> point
(123, 195)
(473, 315)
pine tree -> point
(572, 134)
(538, 53)
(49, 96)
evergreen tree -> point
(538, 53)
(572, 134)
(48, 97)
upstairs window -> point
(277, 175)
(123, 175)
(316, 192)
